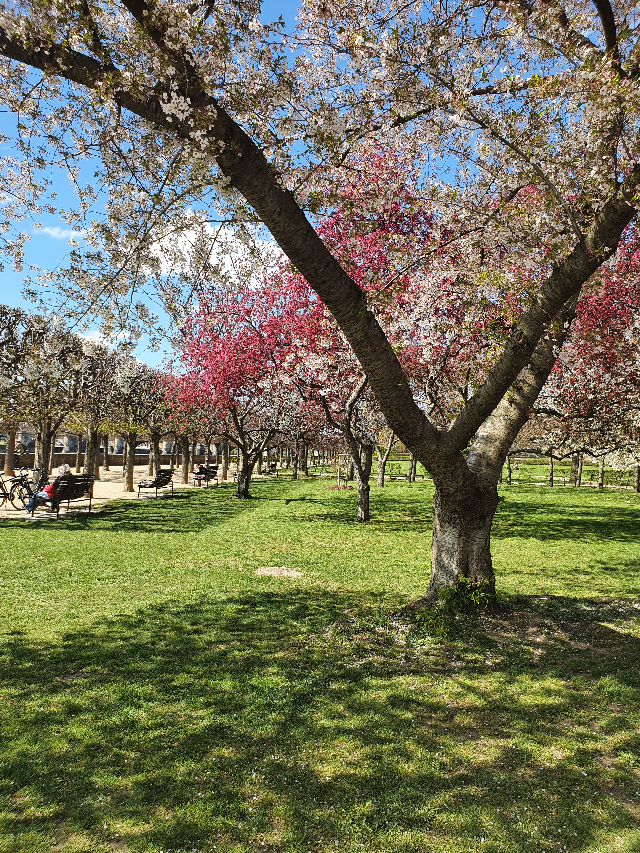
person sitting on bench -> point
(48, 492)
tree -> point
(231, 363)
(539, 104)
(42, 369)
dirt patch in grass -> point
(278, 572)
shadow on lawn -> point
(284, 721)
(187, 511)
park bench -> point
(272, 469)
(71, 488)
(209, 473)
(162, 480)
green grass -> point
(158, 695)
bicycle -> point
(22, 489)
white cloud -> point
(60, 233)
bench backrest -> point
(163, 478)
(73, 487)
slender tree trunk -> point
(551, 467)
(90, 453)
(508, 469)
(259, 464)
(411, 470)
(207, 456)
(192, 460)
(350, 472)
(636, 478)
(244, 474)
(362, 471)
(184, 447)
(601, 473)
(573, 474)
(304, 458)
(579, 471)
(52, 453)
(155, 452)
(174, 453)
(131, 459)
(296, 457)
(10, 453)
(105, 452)
(225, 459)
(125, 455)
(43, 446)
(79, 454)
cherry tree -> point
(537, 104)
(231, 361)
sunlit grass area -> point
(200, 674)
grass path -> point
(157, 694)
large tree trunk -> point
(460, 547)
(131, 459)
(184, 448)
(10, 453)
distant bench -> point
(71, 488)
(210, 473)
(162, 480)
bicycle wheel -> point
(19, 495)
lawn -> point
(203, 674)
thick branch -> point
(566, 281)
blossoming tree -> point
(537, 103)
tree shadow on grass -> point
(301, 720)
(187, 511)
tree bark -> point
(551, 467)
(508, 469)
(192, 460)
(601, 473)
(362, 474)
(411, 470)
(185, 448)
(90, 453)
(79, 454)
(460, 547)
(225, 459)
(52, 453)
(10, 453)
(573, 473)
(131, 459)
(174, 453)
(105, 453)
(383, 459)
(579, 471)
(42, 453)
(243, 474)
(155, 452)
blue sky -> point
(48, 247)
